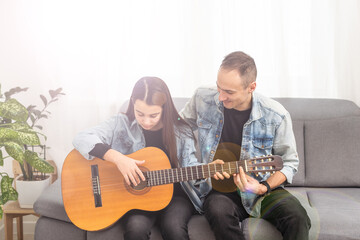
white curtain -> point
(97, 50)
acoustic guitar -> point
(95, 194)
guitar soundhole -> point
(141, 188)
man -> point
(234, 114)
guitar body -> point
(228, 152)
(117, 198)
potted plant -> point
(18, 134)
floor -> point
(26, 237)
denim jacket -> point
(268, 131)
(127, 137)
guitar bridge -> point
(96, 185)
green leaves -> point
(12, 109)
(15, 150)
(7, 191)
(26, 134)
(1, 159)
(38, 163)
(20, 133)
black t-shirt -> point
(154, 139)
(231, 136)
(234, 121)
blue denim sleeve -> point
(285, 146)
(189, 112)
(186, 150)
(86, 140)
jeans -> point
(172, 221)
(224, 211)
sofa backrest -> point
(327, 133)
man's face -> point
(232, 92)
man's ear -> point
(252, 87)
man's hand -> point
(127, 166)
(248, 184)
(218, 175)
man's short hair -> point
(243, 63)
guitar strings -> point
(184, 174)
(169, 176)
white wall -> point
(96, 50)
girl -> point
(150, 120)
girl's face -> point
(148, 116)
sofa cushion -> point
(259, 229)
(302, 195)
(333, 199)
(299, 178)
(50, 203)
(332, 152)
(200, 229)
(50, 228)
(318, 108)
(339, 211)
(115, 232)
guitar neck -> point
(174, 175)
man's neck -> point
(245, 106)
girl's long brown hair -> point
(154, 91)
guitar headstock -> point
(271, 164)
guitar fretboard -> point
(174, 175)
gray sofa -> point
(327, 132)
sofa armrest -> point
(50, 203)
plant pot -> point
(29, 191)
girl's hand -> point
(219, 175)
(127, 166)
